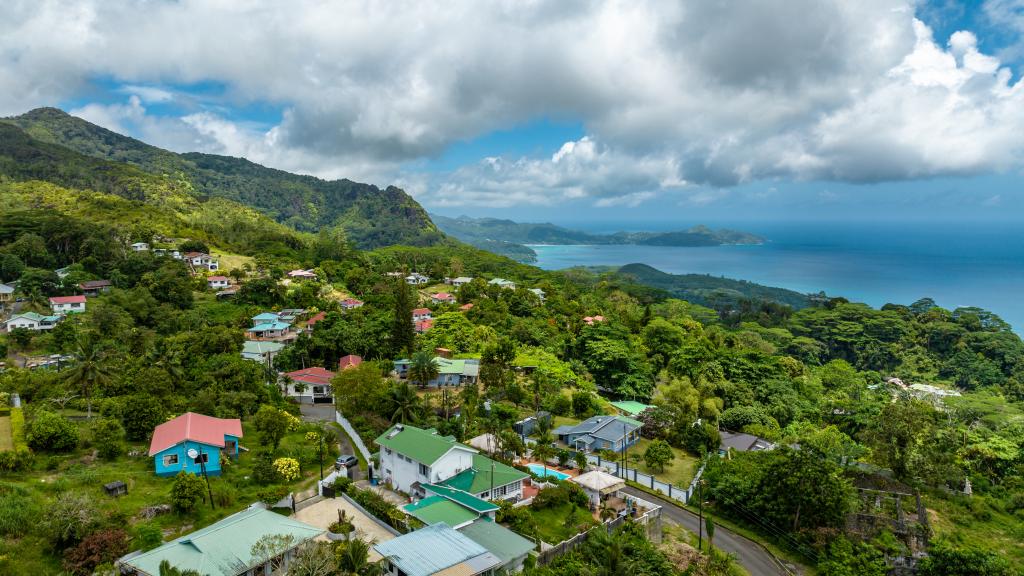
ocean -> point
(956, 264)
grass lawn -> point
(551, 526)
(79, 473)
(972, 522)
(557, 421)
(6, 441)
(678, 472)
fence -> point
(650, 519)
(669, 490)
(353, 435)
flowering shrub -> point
(287, 468)
(293, 422)
(312, 437)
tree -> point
(272, 425)
(271, 548)
(108, 437)
(49, 432)
(896, 435)
(496, 366)
(69, 519)
(403, 335)
(422, 368)
(580, 459)
(102, 547)
(945, 560)
(353, 557)
(313, 559)
(360, 389)
(141, 414)
(90, 370)
(187, 491)
(403, 403)
(166, 569)
(658, 454)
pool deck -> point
(569, 472)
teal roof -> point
(264, 317)
(256, 347)
(500, 541)
(223, 548)
(631, 407)
(423, 446)
(270, 326)
(30, 315)
(461, 498)
(478, 478)
(636, 423)
(436, 548)
(434, 509)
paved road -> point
(750, 555)
(325, 413)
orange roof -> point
(466, 307)
(195, 427)
(442, 296)
(350, 361)
(67, 300)
(315, 375)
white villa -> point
(503, 283)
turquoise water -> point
(538, 470)
(961, 264)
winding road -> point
(751, 555)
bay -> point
(957, 264)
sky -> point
(563, 110)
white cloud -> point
(711, 93)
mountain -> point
(371, 216)
(712, 291)
(509, 238)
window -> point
(425, 470)
(387, 451)
(170, 459)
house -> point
(437, 549)
(411, 458)
(62, 273)
(600, 433)
(67, 304)
(6, 295)
(201, 260)
(630, 407)
(302, 275)
(442, 298)
(351, 304)
(742, 442)
(598, 485)
(291, 315)
(461, 281)
(350, 361)
(314, 320)
(271, 330)
(140, 247)
(264, 317)
(416, 279)
(466, 307)
(449, 372)
(526, 426)
(32, 321)
(422, 326)
(453, 507)
(95, 287)
(217, 282)
(591, 320)
(224, 548)
(228, 292)
(538, 293)
(510, 548)
(309, 385)
(262, 352)
(502, 283)
(173, 439)
(421, 314)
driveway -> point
(751, 555)
(323, 513)
(325, 413)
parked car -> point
(345, 461)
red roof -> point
(217, 279)
(314, 375)
(442, 296)
(318, 317)
(350, 361)
(420, 311)
(67, 300)
(195, 427)
(424, 325)
(466, 307)
(351, 302)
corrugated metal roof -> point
(500, 541)
(223, 548)
(434, 549)
(436, 509)
(478, 478)
(421, 445)
(462, 498)
(195, 427)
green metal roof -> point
(256, 347)
(500, 541)
(462, 498)
(636, 423)
(223, 548)
(478, 478)
(423, 446)
(434, 509)
(631, 407)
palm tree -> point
(542, 451)
(403, 402)
(355, 559)
(91, 370)
(422, 368)
(166, 569)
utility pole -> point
(320, 433)
(201, 457)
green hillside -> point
(711, 290)
(370, 216)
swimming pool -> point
(538, 470)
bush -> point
(98, 548)
(187, 491)
(263, 467)
(18, 428)
(69, 519)
(223, 494)
(17, 460)
(376, 505)
(49, 432)
(18, 512)
(148, 536)
(108, 437)
(271, 494)
(287, 469)
(563, 493)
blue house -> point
(600, 433)
(207, 435)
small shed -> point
(598, 485)
(115, 488)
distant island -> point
(511, 239)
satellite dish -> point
(192, 453)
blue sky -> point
(572, 112)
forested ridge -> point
(830, 382)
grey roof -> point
(433, 549)
(743, 442)
(610, 428)
(5, 289)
